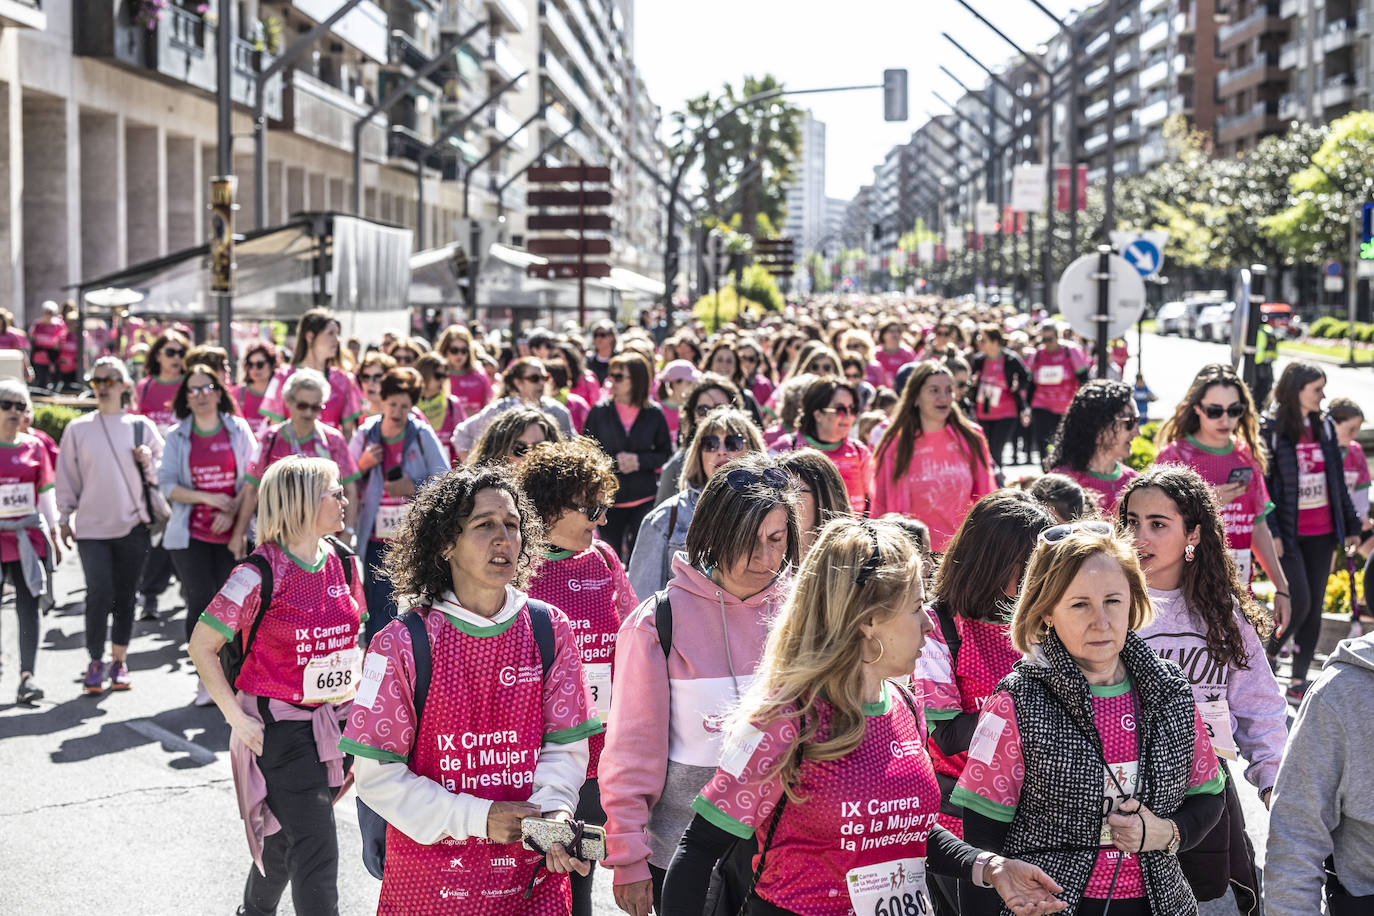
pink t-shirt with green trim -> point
(26, 471)
(280, 442)
(996, 771)
(1238, 517)
(1106, 487)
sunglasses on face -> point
(748, 358)
(617, 376)
(521, 449)
(103, 381)
(457, 351)
(308, 407)
(839, 410)
(1216, 411)
(733, 442)
(258, 364)
(1128, 421)
(403, 359)
(173, 352)
(337, 493)
(13, 405)
(823, 369)
(602, 334)
(741, 479)
(594, 513)
(532, 378)
(207, 388)
(1059, 532)
(367, 377)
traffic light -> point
(894, 95)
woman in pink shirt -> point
(892, 354)
(932, 463)
(829, 408)
(1094, 440)
(259, 362)
(466, 380)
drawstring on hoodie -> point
(729, 660)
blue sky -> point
(686, 49)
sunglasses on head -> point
(874, 561)
(594, 513)
(839, 410)
(733, 443)
(1216, 411)
(1093, 526)
(258, 364)
(741, 479)
(173, 352)
(13, 405)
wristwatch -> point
(979, 864)
(1172, 848)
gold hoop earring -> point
(881, 650)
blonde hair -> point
(289, 497)
(815, 645)
(1050, 572)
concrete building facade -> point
(806, 207)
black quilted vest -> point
(1058, 816)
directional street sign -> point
(1144, 257)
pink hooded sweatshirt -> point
(664, 745)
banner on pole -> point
(1028, 188)
(985, 218)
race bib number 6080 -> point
(896, 888)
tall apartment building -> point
(109, 123)
(894, 200)
(806, 210)
(1328, 57)
(1251, 82)
(836, 209)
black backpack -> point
(371, 824)
(233, 653)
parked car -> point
(1214, 322)
(1280, 317)
(1192, 310)
(1166, 319)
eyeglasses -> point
(258, 364)
(1059, 532)
(103, 381)
(201, 389)
(741, 479)
(308, 406)
(371, 377)
(13, 405)
(1215, 411)
(594, 513)
(839, 410)
(457, 351)
(617, 376)
(173, 352)
(712, 443)
(337, 493)
(874, 561)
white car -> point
(1166, 319)
(1214, 322)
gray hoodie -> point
(1323, 801)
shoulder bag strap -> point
(114, 454)
(542, 624)
(663, 620)
(264, 568)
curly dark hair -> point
(1090, 417)
(557, 476)
(415, 564)
(1211, 587)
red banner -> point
(1013, 222)
(941, 254)
(911, 259)
(1062, 188)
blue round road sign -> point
(1144, 256)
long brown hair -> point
(1288, 407)
(1185, 421)
(906, 424)
(312, 322)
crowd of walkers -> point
(761, 620)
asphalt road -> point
(123, 803)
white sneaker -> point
(203, 697)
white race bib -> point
(389, 518)
(599, 680)
(1049, 375)
(16, 499)
(895, 888)
(990, 395)
(1216, 716)
(332, 678)
(1118, 784)
(1244, 564)
(1312, 490)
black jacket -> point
(1018, 378)
(648, 438)
(1282, 482)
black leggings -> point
(202, 568)
(26, 609)
(111, 567)
(1307, 569)
(305, 851)
(1044, 424)
(589, 810)
(157, 572)
(999, 433)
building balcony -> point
(503, 124)
(179, 49)
(1339, 90)
(365, 27)
(1262, 118)
(1096, 77)
(1154, 113)
(1156, 36)
(1293, 55)
(22, 14)
(1127, 96)
(314, 109)
(1154, 75)
(1263, 21)
(501, 61)
(1288, 9)
(405, 51)
(458, 16)
(405, 143)
(1095, 110)
(1264, 69)
(1291, 106)
(511, 13)
(1339, 34)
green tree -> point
(1338, 178)
(752, 150)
